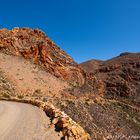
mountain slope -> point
(33, 67)
(102, 96)
(28, 78)
(121, 76)
(35, 45)
(110, 102)
(91, 65)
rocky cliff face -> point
(121, 76)
(35, 45)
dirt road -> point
(20, 121)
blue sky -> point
(85, 29)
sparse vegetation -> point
(37, 93)
(6, 88)
(5, 95)
(20, 96)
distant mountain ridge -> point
(121, 75)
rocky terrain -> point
(120, 75)
(102, 96)
(35, 45)
(120, 84)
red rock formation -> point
(35, 45)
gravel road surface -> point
(19, 121)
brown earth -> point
(28, 78)
(102, 96)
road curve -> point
(19, 121)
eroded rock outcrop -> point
(35, 45)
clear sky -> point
(85, 29)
